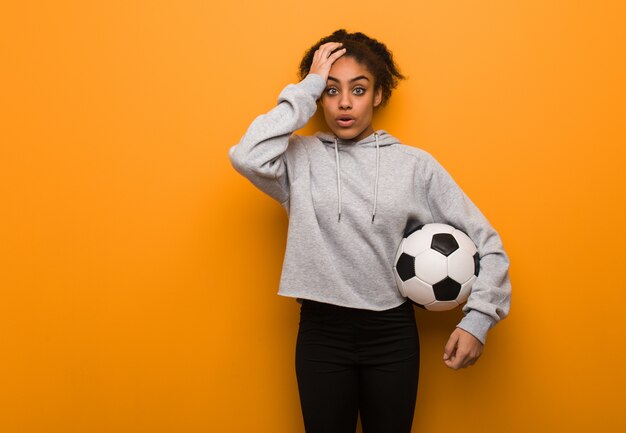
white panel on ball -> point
(464, 241)
(431, 266)
(466, 289)
(442, 305)
(416, 243)
(460, 266)
(419, 291)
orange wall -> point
(138, 270)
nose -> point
(344, 102)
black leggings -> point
(351, 360)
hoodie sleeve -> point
(260, 155)
(490, 298)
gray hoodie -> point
(349, 204)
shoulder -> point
(426, 165)
(412, 152)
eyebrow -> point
(360, 77)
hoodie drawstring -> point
(377, 167)
(338, 182)
(339, 179)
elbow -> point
(237, 160)
(251, 167)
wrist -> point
(314, 84)
(478, 324)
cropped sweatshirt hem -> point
(349, 203)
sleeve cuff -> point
(477, 324)
(314, 84)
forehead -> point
(346, 68)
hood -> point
(377, 139)
(384, 139)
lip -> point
(345, 121)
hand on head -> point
(324, 57)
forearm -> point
(259, 151)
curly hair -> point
(374, 55)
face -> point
(349, 99)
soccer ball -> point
(435, 266)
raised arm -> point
(260, 155)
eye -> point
(331, 91)
(359, 91)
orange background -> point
(138, 270)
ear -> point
(378, 96)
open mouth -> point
(345, 121)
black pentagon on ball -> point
(444, 243)
(446, 289)
(405, 266)
(476, 264)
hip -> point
(384, 334)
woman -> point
(350, 193)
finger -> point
(450, 347)
(461, 356)
(466, 361)
(453, 363)
(469, 358)
(459, 361)
(335, 55)
(327, 48)
(331, 44)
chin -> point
(344, 135)
(347, 134)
